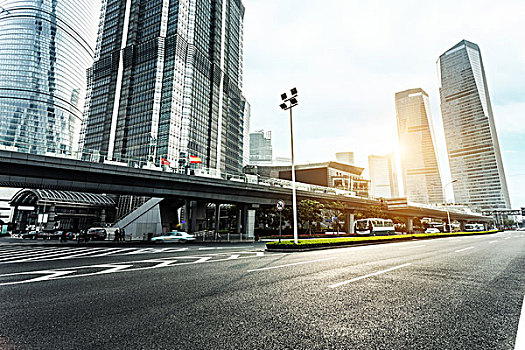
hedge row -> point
(325, 242)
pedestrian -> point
(63, 236)
(122, 234)
(117, 235)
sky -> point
(348, 58)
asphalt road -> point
(451, 293)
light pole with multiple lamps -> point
(287, 104)
(448, 212)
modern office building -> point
(383, 176)
(45, 48)
(470, 132)
(261, 152)
(345, 157)
(246, 132)
(420, 169)
(166, 84)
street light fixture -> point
(448, 212)
(288, 104)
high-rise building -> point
(246, 132)
(383, 176)
(470, 132)
(45, 48)
(261, 152)
(166, 83)
(421, 178)
(345, 157)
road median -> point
(326, 243)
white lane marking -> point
(111, 268)
(40, 256)
(492, 241)
(115, 251)
(27, 253)
(415, 246)
(462, 250)
(299, 263)
(207, 248)
(507, 238)
(520, 335)
(369, 275)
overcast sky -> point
(348, 58)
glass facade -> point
(45, 48)
(421, 177)
(166, 83)
(383, 176)
(470, 132)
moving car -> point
(96, 234)
(432, 230)
(174, 236)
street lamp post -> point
(448, 212)
(287, 104)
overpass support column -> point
(50, 225)
(462, 225)
(193, 216)
(217, 219)
(349, 222)
(485, 226)
(410, 225)
(185, 216)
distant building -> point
(470, 131)
(345, 157)
(421, 177)
(328, 174)
(45, 49)
(383, 176)
(261, 152)
(246, 132)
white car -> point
(174, 236)
(432, 230)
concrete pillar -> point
(250, 224)
(410, 225)
(485, 226)
(185, 216)
(349, 222)
(462, 225)
(217, 218)
(103, 216)
(50, 225)
(193, 216)
(239, 220)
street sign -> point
(280, 205)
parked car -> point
(52, 235)
(432, 230)
(174, 236)
(33, 234)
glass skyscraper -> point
(421, 177)
(166, 83)
(470, 132)
(45, 48)
(383, 176)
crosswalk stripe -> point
(39, 257)
(33, 253)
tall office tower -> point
(419, 163)
(345, 157)
(167, 83)
(261, 152)
(470, 132)
(383, 176)
(45, 48)
(246, 132)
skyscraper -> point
(45, 48)
(261, 151)
(383, 176)
(167, 83)
(345, 157)
(419, 163)
(470, 132)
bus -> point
(474, 227)
(374, 227)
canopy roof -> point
(40, 197)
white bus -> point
(474, 227)
(374, 227)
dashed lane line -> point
(493, 241)
(369, 275)
(464, 249)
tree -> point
(309, 210)
(335, 210)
